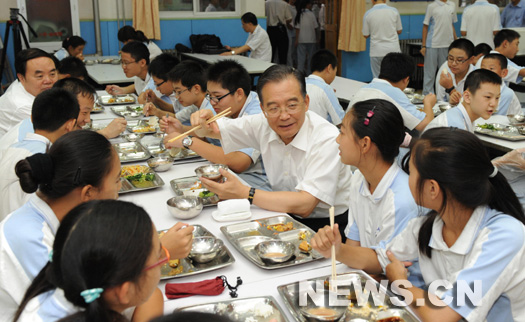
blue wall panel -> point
(174, 32)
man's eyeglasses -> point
(159, 85)
(123, 63)
(275, 111)
(163, 260)
(458, 61)
(216, 99)
(177, 93)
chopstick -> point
(333, 287)
(226, 112)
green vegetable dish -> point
(206, 194)
(487, 126)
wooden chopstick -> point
(226, 112)
(333, 287)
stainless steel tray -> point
(501, 131)
(245, 236)
(131, 151)
(223, 259)
(191, 186)
(153, 147)
(141, 126)
(97, 108)
(368, 312)
(131, 186)
(116, 100)
(241, 309)
(128, 111)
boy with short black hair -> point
(72, 67)
(479, 51)
(322, 97)
(452, 74)
(508, 102)
(480, 99)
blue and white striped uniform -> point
(439, 18)
(61, 53)
(16, 134)
(12, 196)
(491, 248)
(375, 218)
(454, 117)
(26, 238)
(508, 102)
(323, 100)
(514, 70)
(48, 307)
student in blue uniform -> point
(474, 232)
(106, 258)
(72, 46)
(480, 99)
(381, 204)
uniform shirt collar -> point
(383, 185)
(46, 211)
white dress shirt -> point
(277, 11)
(260, 45)
(309, 163)
(15, 105)
(307, 27)
(439, 18)
(441, 95)
(480, 20)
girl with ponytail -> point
(106, 258)
(473, 237)
(128, 33)
(72, 46)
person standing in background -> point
(291, 59)
(481, 22)
(382, 24)
(306, 35)
(322, 22)
(438, 33)
(513, 15)
(279, 19)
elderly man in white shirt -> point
(298, 148)
(258, 41)
(382, 24)
(36, 71)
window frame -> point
(195, 13)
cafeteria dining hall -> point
(262, 160)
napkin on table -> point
(207, 287)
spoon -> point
(161, 145)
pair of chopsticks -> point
(226, 112)
(333, 287)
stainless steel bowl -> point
(521, 129)
(275, 251)
(205, 249)
(314, 313)
(184, 207)
(115, 61)
(160, 163)
(443, 107)
(516, 119)
(211, 171)
(409, 90)
(132, 137)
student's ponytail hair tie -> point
(494, 172)
(41, 167)
(91, 294)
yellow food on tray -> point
(111, 100)
(177, 270)
(128, 99)
(174, 263)
(139, 175)
(281, 227)
(131, 170)
(304, 246)
(143, 129)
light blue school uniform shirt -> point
(513, 16)
(26, 238)
(61, 54)
(323, 100)
(490, 249)
(508, 102)
(514, 70)
(454, 117)
(15, 135)
(397, 95)
(439, 18)
(48, 307)
(375, 218)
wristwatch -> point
(449, 90)
(233, 52)
(187, 142)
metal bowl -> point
(321, 314)
(211, 171)
(89, 62)
(443, 107)
(275, 251)
(132, 137)
(409, 90)
(184, 207)
(115, 61)
(160, 163)
(516, 119)
(521, 129)
(205, 249)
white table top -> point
(106, 73)
(252, 65)
(495, 143)
(346, 88)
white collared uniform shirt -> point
(508, 104)
(490, 249)
(47, 307)
(142, 85)
(277, 11)
(309, 163)
(307, 27)
(260, 45)
(15, 134)
(323, 100)
(381, 23)
(15, 105)
(480, 20)
(26, 238)
(11, 194)
(514, 70)
(454, 117)
(441, 95)
(439, 18)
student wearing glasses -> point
(97, 274)
(135, 62)
(453, 73)
(298, 149)
(229, 86)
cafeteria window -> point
(199, 8)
